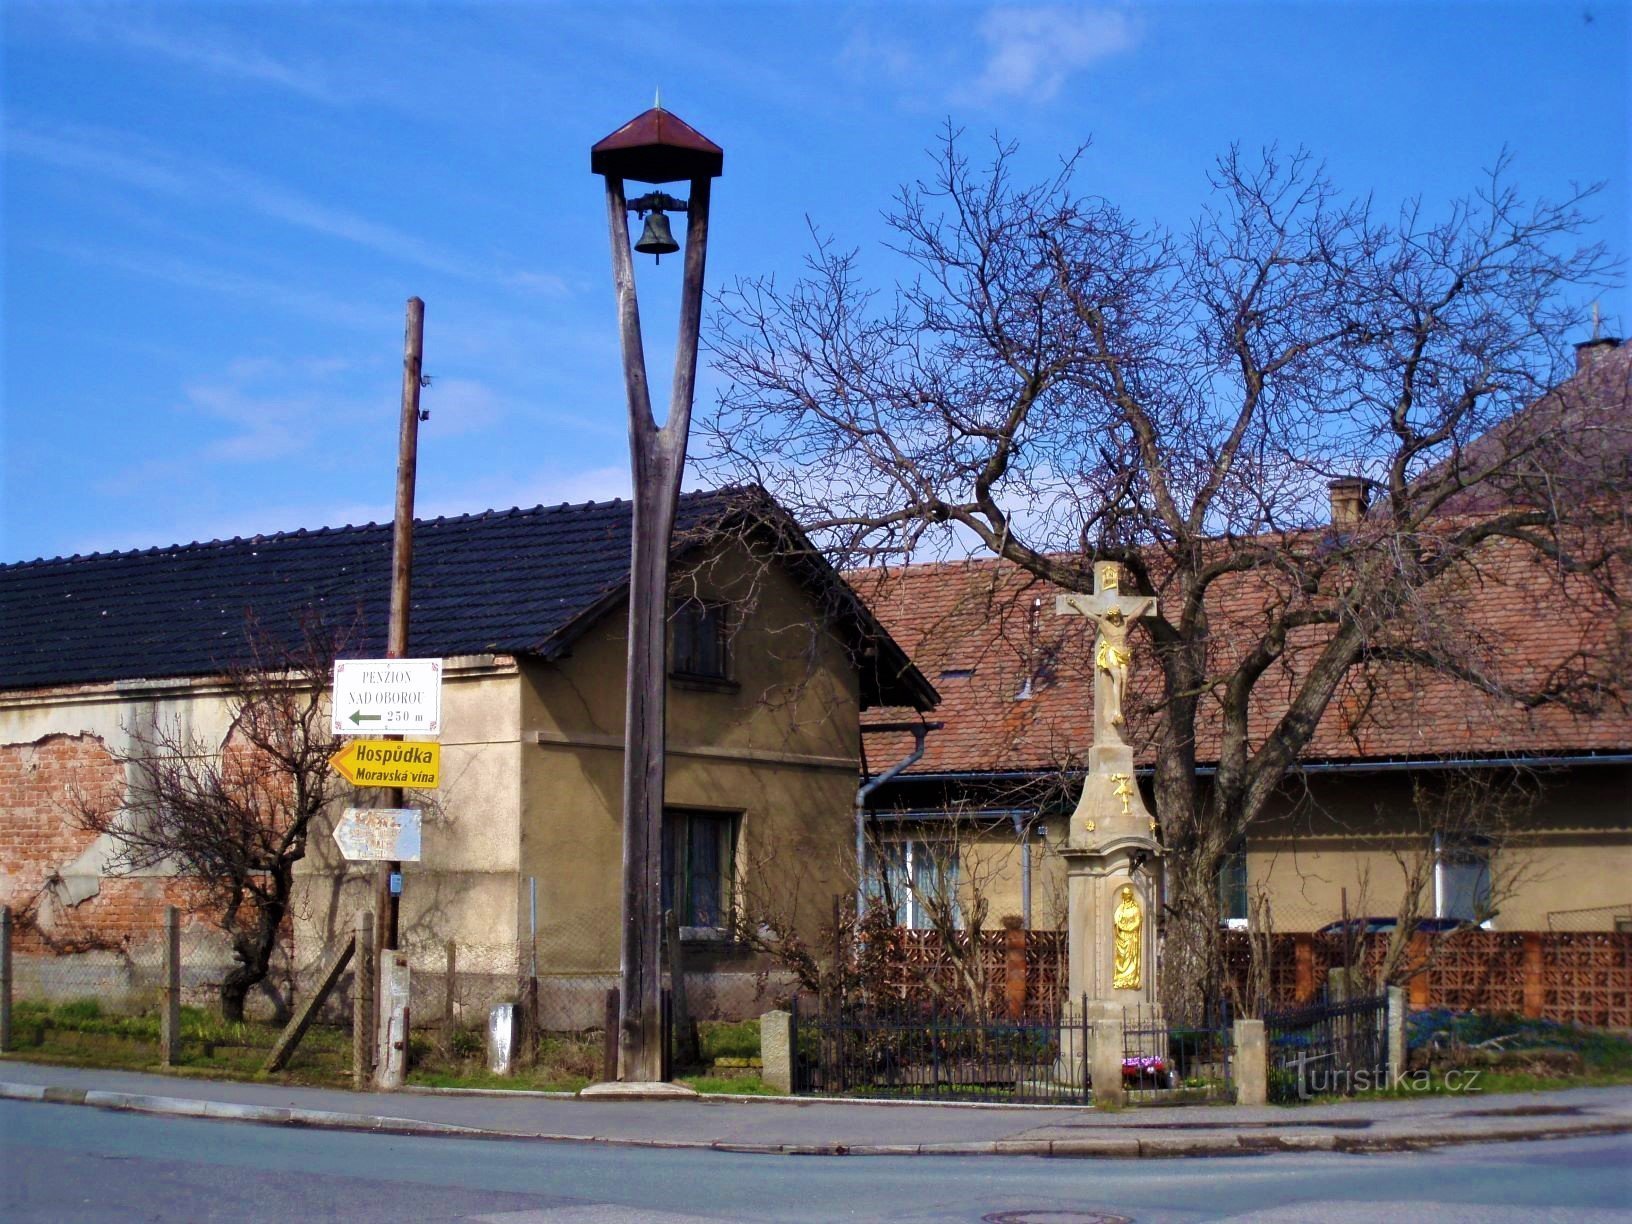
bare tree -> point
(232, 818)
(1055, 383)
(1469, 816)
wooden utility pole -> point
(386, 903)
(655, 147)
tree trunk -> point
(1192, 973)
(253, 950)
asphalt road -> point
(67, 1163)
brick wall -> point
(39, 837)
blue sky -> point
(213, 213)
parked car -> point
(1379, 926)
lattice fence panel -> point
(1478, 971)
(1046, 971)
(1587, 977)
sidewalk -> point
(816, 1127)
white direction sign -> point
(387, 697)
(379, 835)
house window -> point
(1232, 887)
(700, 648)
(1461, 878)
(699, 867)
(915, 878)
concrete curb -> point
(1113, 1146)
(184, 1107)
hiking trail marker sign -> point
(381, 835)
(387, 697)
(389, 763)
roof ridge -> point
(330, 529)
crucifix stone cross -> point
(1112, 613)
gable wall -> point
(781, 748)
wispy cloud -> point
(194, 45)
(1032, 52)
(121, 158)
(549, 486)
(222, 58)
(259, 410)
(211, 278)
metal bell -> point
(656, 239)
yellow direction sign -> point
(389, 763)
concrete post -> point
(503, 1038)
(1396, 1035)
(362, 1002)
(1105, 1062)
(391, 1057)
(776, 1050)
(1337, 985)
(170, 1012)
(5, 978)
(1251, 1063)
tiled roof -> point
(1017, 686)
(1016, 680)
(509, 581)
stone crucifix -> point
(1113, 614)
(1111, 838)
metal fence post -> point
(5, 978)
(362, 1002)
(170, 1016)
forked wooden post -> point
(654, 148)
(658, 459)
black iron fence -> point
(906, 1050)
(1327, 1049)
(924, 1052)
(1160, 1059)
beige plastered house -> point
(772, 660)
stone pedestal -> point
(1112, 833)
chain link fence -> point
(103, 1000)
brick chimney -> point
(1349, 495)
(1590, 352)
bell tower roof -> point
(657, 147)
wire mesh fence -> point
(105, 1000)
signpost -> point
(389, 763)
(387, 697)
(379, 835)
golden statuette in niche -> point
(1126, 920)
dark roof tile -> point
(514, 581)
